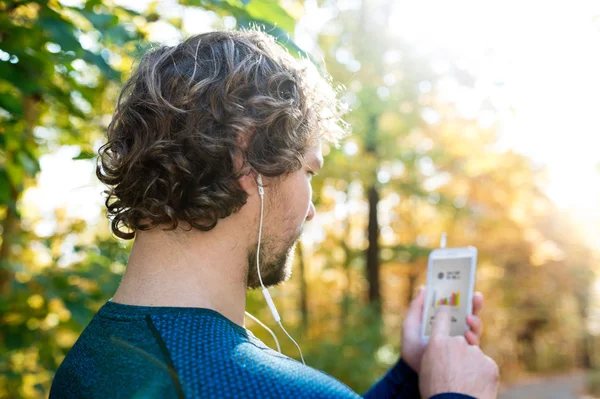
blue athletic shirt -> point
(174, 352)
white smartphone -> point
(450, 282)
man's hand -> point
(451, 365)
(412, 346)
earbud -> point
(261, 190)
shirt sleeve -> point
(401, 381)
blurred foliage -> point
(56, 79)
(434, 168)
(61, 67)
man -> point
(207, 135)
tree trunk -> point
(10, 232)
(347, 296)
(586, 339)
(373, 250)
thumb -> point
(441, 322)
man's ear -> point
(248, 182)
(248, 175)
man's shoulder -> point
(113, 359)
(215, 359)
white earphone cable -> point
(295, 343)
(261, 193)
(266, 328)
(266, 294)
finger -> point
(441, 322)
(477, 303)
(474, 322)
(472, 338)
(416, 306)
(415, 310)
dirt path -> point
(562, 387)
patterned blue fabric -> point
(171, 352)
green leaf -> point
(85, 155)
(29, 164)
(270, 11)
(265, 12)
(19, 77)
(119, 35)
(101, 63)
(59, 31)
(4, 188)
(59, 96)
(278, 33)
(11, 104)
(100, 21)
(15, 175)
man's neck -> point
(186, 269)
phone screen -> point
(449, 286)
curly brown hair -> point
(191, 112)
